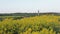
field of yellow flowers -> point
(44, 24)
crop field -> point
(44, 24)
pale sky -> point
(12, 6)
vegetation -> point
(44, 24)
(28, 14)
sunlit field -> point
(44, 24)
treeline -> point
(28, 14)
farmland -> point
(42, 24)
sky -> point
(29, 6)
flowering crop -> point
(45, 24)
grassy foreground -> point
(45, 24)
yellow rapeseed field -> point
(44, 24)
